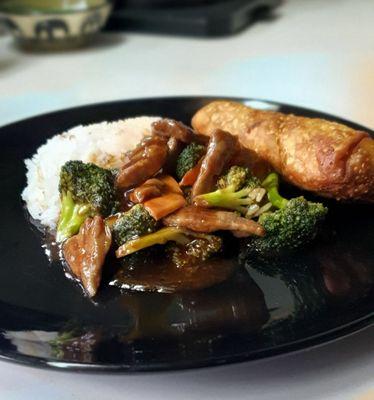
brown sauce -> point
(51, 248)
(124, 199)
(162, 276)
(168, 278)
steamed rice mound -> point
(103, 144)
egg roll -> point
(324, 157)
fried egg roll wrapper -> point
(314, 154)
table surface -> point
(316, 54)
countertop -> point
(316, 54)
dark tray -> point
(194, 18)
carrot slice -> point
(189, 178)
(160, 207)
(171, 185)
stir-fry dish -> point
(170, 214)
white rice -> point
(104, 144)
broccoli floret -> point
(132, 224)
(238, 177)
(238, 190)
(188, 158)
(290, 227)
(200, 248)
(294, 224)
(85, 190)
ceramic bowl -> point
(54, 24)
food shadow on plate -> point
(323, 285)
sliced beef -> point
(221, 148)
(143, 162)
(175, 147)
(201, 219)
(171, 128)
(85, 252)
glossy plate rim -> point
(241, 99)
(300, 346)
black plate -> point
(323, 294)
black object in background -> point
(188, 17)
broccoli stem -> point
(226, 198)
(161, 236)
(72, 216)
(271, 184)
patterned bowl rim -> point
(7, 13)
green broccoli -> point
(59, 344)
(271, 184)
(85, 190)
(200, 248)
(188, 158)
(237, 191)
(196, 245)
(238, 177)
(293, 224)
(132, 224)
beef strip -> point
(143, 162)
(221, 148)
(171, 128)
(149, 189)
(175, 146)
(201, 219)
(85, 252)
